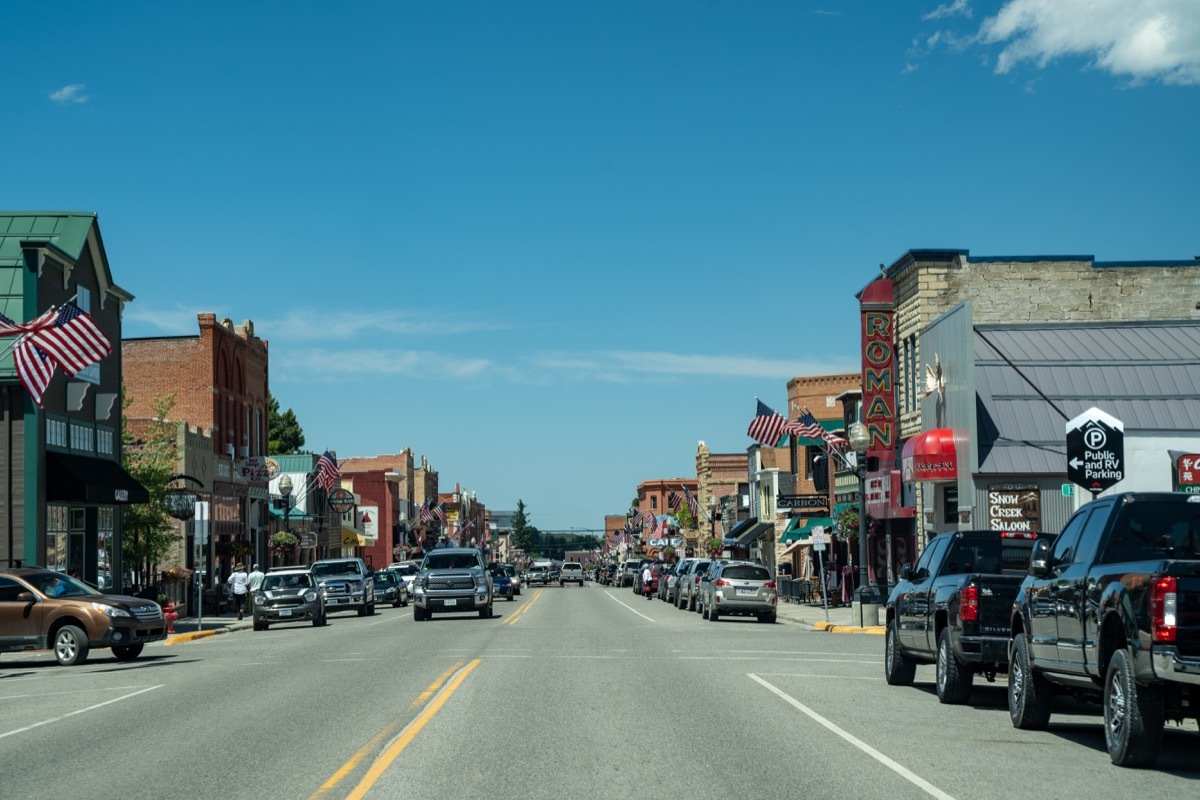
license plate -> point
(333, 601)
(285, 612)
(747, 591)
(449, 602)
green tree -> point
(151, 457)
(520, 538)
(284, 434)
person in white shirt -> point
(239, 581)
(253, 582)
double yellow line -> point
(393, 750)
(515, 617)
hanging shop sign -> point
(1014, 507)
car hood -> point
(289, 592)
(118, 600)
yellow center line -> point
(407, 735)
(379, 738)
(520, 612)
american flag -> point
(673, 500)
(636, 521)
(73, 341)
(692, 505)
(327, 470)
(806, 425)
(9, 328)
(34, 368)
(767, 426)
(439, 512)
(426, 513)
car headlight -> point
(111, 611)
(310, 596)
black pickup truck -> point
(953, 609)
(1111, 612)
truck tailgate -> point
(996, 596)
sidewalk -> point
(813, 617)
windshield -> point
(451, 561)
(385, 577)
(296, 580)
(335, 568)
(54, 584)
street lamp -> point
(285, 491)
(860, 440)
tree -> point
(151, 458)
(520, 536)
(284, 434)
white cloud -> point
(959, 8)
(316, 324)
(628, 365)
(1144, 40)
(176, 321)
(69, 95)
(325, 366)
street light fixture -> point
(865, 594)
(285, 491)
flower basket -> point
(713, 547)
(283, 543)
(177, 575)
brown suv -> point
(41, 609)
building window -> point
(83, 299)
(81, 438)
(57, 518)
(105, 441)
(654, 504)
(104, 546)
(56, 432)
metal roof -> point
(66, 230)
(1146, 374)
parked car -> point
(453, 579)
(689, 582)
(347, 583)
(570, 572)
(677, 571)
(390, 587)
(1110, 613)
(502, 583)
(42, 609)
(662, 573)
(288, 595)
(953, 609)
(408, 571)
(739, 588)
(515, 576)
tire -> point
(70, 646)
(371, 609)
(1029, 693)
(362, 610)
(127, 652)
(953, 680)
(258, 626)
(713, 615)
(1133, 715)
(898, 669)
(485, 612)
(770, 617)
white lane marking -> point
(79, 711)
(389, 618)
(899, 769)
(819, 675)
(793, 652)
(776, 658)
(634, 610)
(72, 691)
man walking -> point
(253, 581)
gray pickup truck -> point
(452, 579)
(347, 583)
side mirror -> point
(26, 597)
(906, 572)
(1040, 563)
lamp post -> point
(865, 594)
(285, 491)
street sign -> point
(1068, 490)
(819, 538)
(1095, 450)
(308, 539)
(341, 500)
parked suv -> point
(288, 595)
(689, 583)
(42, 609)
(741, 588)
(453, 579)
(347, 584)
(571, 572)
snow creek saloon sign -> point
(802, 501)
(1014, 507)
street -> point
(565, 692)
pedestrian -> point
(238, 580)
(253, 582)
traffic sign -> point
(819, 538)
(1095, 450)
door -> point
(912, 604)
(1073, 592)
(20, 620)
(1043, 599)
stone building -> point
(65, 487)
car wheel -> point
(371, 609)
(898, 669)
(1028, 690)
(769, 617)
(703, 611)
(258, 625)
(485, 612)
(127, 652)
(953, 680)
(1133, 715)
(70, 646)
(362, 610)
(318, 622)
(713, 614)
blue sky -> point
(552, 246)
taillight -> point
(968, 609)
(769, 585)
(1162, 609)
(720, 582)
(1015, 535)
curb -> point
(182, 638)
(831, 628)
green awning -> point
(830, 425)
(802, 527)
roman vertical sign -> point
(1095, 450)
(879, 370)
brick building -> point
(65, 486)
(723, 492)
(653, 501)
(219, 380)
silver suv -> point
(347, 584)
(288, 595)
(738, 587)
(571, 572)
(689, 583)
(452, 579)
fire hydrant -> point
(171, 615)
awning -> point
(830, 425)
(930, 456)
(801, 528)
(294, 514)
(753, 533)
(353, 537)
(78, 479)
(737, 530)
(794, 546)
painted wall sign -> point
(1014, 507)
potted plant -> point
(283, 543)
(713, 547)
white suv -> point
(571, 571)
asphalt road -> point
(567, 692)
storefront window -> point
(56, 536)
(104, 541)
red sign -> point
(1187, 470)
(879, 370)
